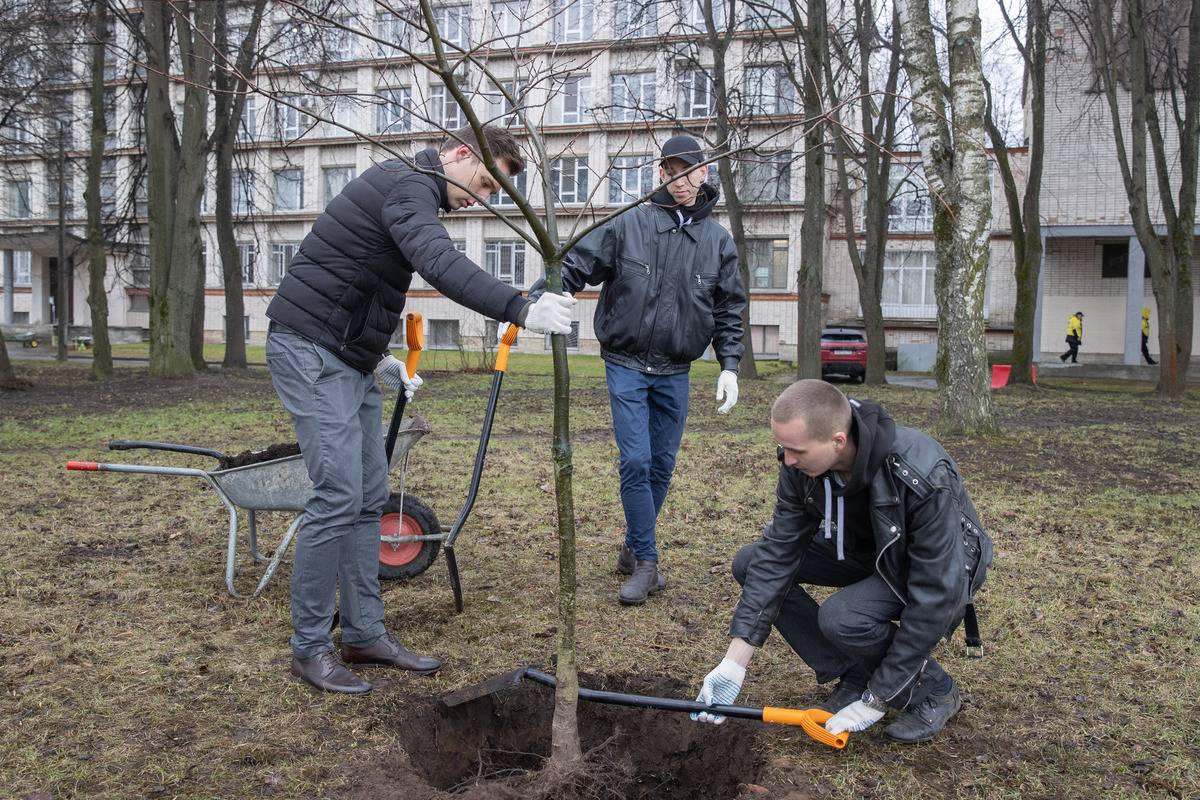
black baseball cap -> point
(683, 147)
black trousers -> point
(1146, 349)
(849, 634)
(1072, 353)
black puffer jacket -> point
(671, 285)
(931, 550)
(345, 288)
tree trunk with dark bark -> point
(102, 363)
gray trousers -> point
(849, 634)
(336, 411)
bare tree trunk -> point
(809, 318)
(957, 174)
(565, 747)
(102, 364)
(8, 378)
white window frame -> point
(247, 261)
(503, 198)
(327, 187)
(572, 20)
(502, 112)
(248, 125)
(574, 168)
(634, 96)
(630, 177)
(776, 15)
(454, 24)
(393, 28)
(394, 113)
(757, 175)
(635, 19)
(910, 206)
(696, 98)
(504, 260)
(769, 90)
(19, 202)
(244, 184)
(22, 268)
(444, 111)
(295, 177)
(282, 254)
(290, 122)
(343, 110)
(693, 15)
(573, 100)
(900, 269)
(775, 246)
(108, 186)
(509, 19)
(340, 44)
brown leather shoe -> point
(386, 650)
(326, 672)
(646, 580)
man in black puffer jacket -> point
(331, 321)
(671, 287)
(880, 512)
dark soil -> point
(248, 457)
(493, 747)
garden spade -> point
(810, 720)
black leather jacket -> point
(670, 286)
(931, 550)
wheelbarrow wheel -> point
(413, 518)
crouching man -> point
(880, 512)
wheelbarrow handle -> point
(128, 444)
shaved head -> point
(821, 406)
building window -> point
(765, 340)
(289, 189)
(695, 94)
(111, 132)
(766, 14)
(908, 285)
(503, 112)
(68, 187)
(572, 20)
(22, 268)
(767, 260)
(504, 259)
(139, 263)
(503, 198)
(1115, 263)
(247, 256)
(443, 109)
(569, 179)
(693, 15)
(508, 20)
(139, 304)
(395, 31)
(18, 131)
(290, 121)
(243, 191)
(282, 254)
(769, 90)
(631, 177)
(141, 188)
(572, 338)
(334, 179)
(108, 187)
(394, 114)
(20, 198)
(343, 116)
(248, 124)
(573, 100)
(454, 24)
(635, 19)
(339, 42)
(633, 97)
(910, 208)
(443, 334)
(766, 178)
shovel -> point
(810, 720)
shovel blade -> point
(491, 686)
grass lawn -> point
(128, 672)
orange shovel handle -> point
(810, 720)
(506, 342)
(414, 337)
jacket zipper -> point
(883, 577)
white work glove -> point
(721, 687)
(393, 374)
(727, 390)
(858, 716)
(550, 313)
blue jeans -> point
(648, 413)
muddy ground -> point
(126, 671)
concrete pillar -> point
(1039, 304)
(1135, 285)
(39, 311)
(7, 317)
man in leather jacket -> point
(880, 512)
(670, 288)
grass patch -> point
(127, 671)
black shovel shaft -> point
(644, 701)
(394, 425)
(480, 456)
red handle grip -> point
(84, 466)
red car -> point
(844, 352)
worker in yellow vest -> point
(1074, 338)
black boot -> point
(645, 581)
(842, 696)
(925, 720)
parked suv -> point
(844, 352)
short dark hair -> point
(503, 145)
(823, 407)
